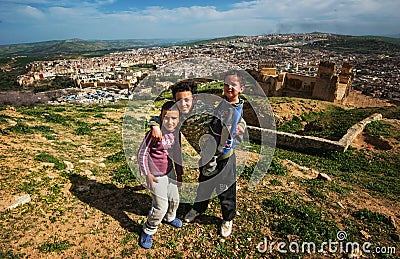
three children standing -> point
(226, 126)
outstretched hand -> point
(239, 131)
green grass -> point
(275, 168)
(292, 126)
(211, 88)
(35, 111)
(43, 129)
(379, 174)
(381, 128)
(303, 219)
(316, 189)
(334, 122)
(112, 142)
(3, 118)
(370, 216)
(117, 157)
(275, 182)
(58, 118)
(375, 224)
(20, 128)
(55, 246)
(84, 130)
(45, 157)
(285, 207)
(11, 255)
(124, 175)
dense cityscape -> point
(375, 74)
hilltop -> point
(84, 201)
(79, 47)
(73, 47)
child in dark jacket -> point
(220, 172)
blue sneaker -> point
(175, 223)
(145, 240)
(227, 147)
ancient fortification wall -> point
(356, 129)
(294, 141)
(327, 85)
(31, 98)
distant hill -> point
(100, 47)
(388, 39)
(359, 44)
(393, 35)
(208, 41)
(78, 46)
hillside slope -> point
(90, 206)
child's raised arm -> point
(156, 134)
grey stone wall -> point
(356, 129)
(294, 141)
(31, 98)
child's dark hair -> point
(239, 74)
(169, 106)
(183, 87)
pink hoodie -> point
(156, 158)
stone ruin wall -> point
(346, 76)
(30, 98)
(298, 86)
(293, 141)
(327, 85)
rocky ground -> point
(81, 202)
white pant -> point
(164, 204)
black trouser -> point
(224, 182)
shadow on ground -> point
(112, 200)
(203, 219)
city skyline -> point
(25, 21)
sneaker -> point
(226, 228)
(145, 240)
(227, 147)
(175, 223)
(191, 215)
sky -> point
(25, 21)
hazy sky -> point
(40, 20)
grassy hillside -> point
(359, 44)
(210, 41)
(77, 47)
(96, 208)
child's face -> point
(232, 87)
(170, 119)
(184, 101)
